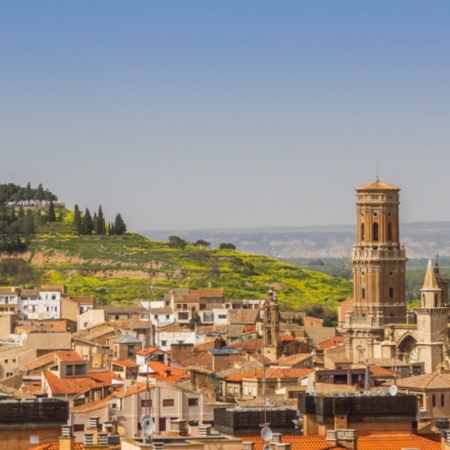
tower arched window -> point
(363, 232)
(442, 400)
(389, 231)
(375, 232)
(433, 400)
(268, 337)
(436, 301)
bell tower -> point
(432, 316)
(272, 348)
(379, 269)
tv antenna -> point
(266, 432)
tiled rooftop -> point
(385, 441)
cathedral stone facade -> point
(379, 325)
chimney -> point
(94, 427)
(276, 437)
(342, 438)
(88, 439)
(204, 430)
(445, 439)
(340, 421)
(102, 439)
(67, 439)
(178, 427)
(282, 446)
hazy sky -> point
(227, 114)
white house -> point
(40, 305)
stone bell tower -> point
(379, 269)
(432, 316)
(272, 347)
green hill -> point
(122, 268)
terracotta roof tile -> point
(125, 363)
(273, 372)
(433, 380)
(149, 351)
(69, 355)
(165, 373)
(331, 342)
(385, 441)
(70, 386)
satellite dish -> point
(266, 434)
(393, 390)
(147, 424)
(267, 447)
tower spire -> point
(430, 281)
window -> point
(164, 343)
(375, 232)
(363, 233)
(208, 317)
(130, 350)
(363, 293)
(192, 401)
(433, 400)
(391, 292)
(168, 402)
(146, 402)
(78, 427)
(442, 400)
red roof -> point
(125, 363)
(149, 351)
(70, 386)
(69, 355)
(385, 441)
(166, 373)
(273, 372)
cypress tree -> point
(28, 192)
(101, 225)
(51, 212)
(86, 223)
(119, 225)
(94, 223)
(77, 219)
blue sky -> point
(227, 114)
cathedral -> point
(379, 325)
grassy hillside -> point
(122, 268)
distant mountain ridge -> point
(421, 239)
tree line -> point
(87, 224)
(10, 192)
(19, 221)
